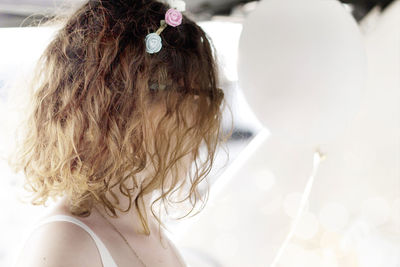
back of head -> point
(103, 109)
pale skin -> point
(64, 244)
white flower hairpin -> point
(173, 17)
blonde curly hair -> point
(93, 97)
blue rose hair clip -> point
(173, 17)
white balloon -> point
(302, 67)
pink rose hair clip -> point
(173, 17)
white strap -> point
(106, 257)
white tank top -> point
(105, 255)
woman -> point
(117, 118)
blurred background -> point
(352, 215)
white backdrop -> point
(353, 214)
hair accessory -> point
(173, 17)
(153, 43)
(179, 5)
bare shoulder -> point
(59, 244)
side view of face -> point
(156, 113)
(90, 120)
